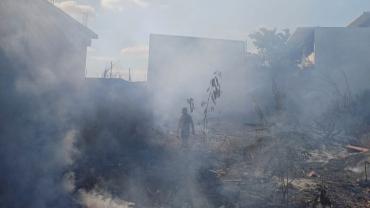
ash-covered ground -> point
(275, 164)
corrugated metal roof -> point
(361, 21)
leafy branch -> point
(214, 93)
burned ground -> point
(238, 166)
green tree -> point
(271, 46)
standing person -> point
(183, 130)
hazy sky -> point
(124, 26)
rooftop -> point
(361, 21)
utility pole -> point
(129, 75)
(111, 70)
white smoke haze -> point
(68, 141)
(95, 199)
(120, 5)
(37, 140)
(68, 151)
(69, 182)
(181, 67)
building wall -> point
(181, 67)
(347, 50)
(44, 49)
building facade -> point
(182, 67)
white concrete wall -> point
(346, 50)
(181, 67)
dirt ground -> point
(265, 167)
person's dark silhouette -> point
(185, 125)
